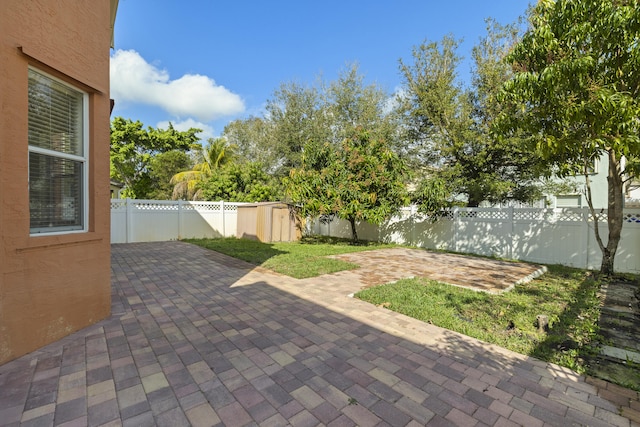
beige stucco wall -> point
(51, 286)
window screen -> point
(57, 161)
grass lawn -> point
(567, 296)
(307, 258)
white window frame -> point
(83, 160)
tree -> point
(577, 85)
(296, 116)
(235, 182)
(186, 183)
(448, 126)
(351, 104)
(252, 138)
(361, 179)
(133, 147)
(161, 168)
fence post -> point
(128, 222)
(585, 232)
(412, 224)
(180, 219)
(455, 229)
(224, 225)
(511, 233)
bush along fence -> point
(549, 236)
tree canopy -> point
(447, 127)
(133, 147)
(235, 182)
(577, 86)
(361, 179)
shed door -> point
(280, 230)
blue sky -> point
(204, 63)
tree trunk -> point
(354, 233)
(615, 213)
(473, 199)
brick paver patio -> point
(197, 338)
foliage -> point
(133, 148)
(432, 196)
(447, 127)
(567, 296)
(214, 155)
(362, 179)
(299, 114)
(351, 104)
(307, 258)
(296, 116)
(578, 86)
(236, 182)
(252, 140)
(162, 167)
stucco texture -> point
(52, 285)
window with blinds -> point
(57, 155)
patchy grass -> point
(567, 296)
(306, 258)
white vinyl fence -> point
(549, 236)
(161, 220)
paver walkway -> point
(197, 338)
(389, 265)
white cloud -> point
(183, 125)
(193, 95)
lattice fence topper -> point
(602, 216)
(150, 206)
(118, 204)
(447, 214)
(195, 206)
(533, 215)
(484, 214)
(172, 205)
(633, 218)
(571, 216)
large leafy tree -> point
(351, 104)
(236, 182)
(361, 179)
(578, 86)
(252, 140)
(161, 168)
(447, 126)
(133, 147)
(296, 116)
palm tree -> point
(215, 154)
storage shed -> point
(267, 222)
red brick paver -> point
(197, 338)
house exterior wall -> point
(52, 285)
(599, 188)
